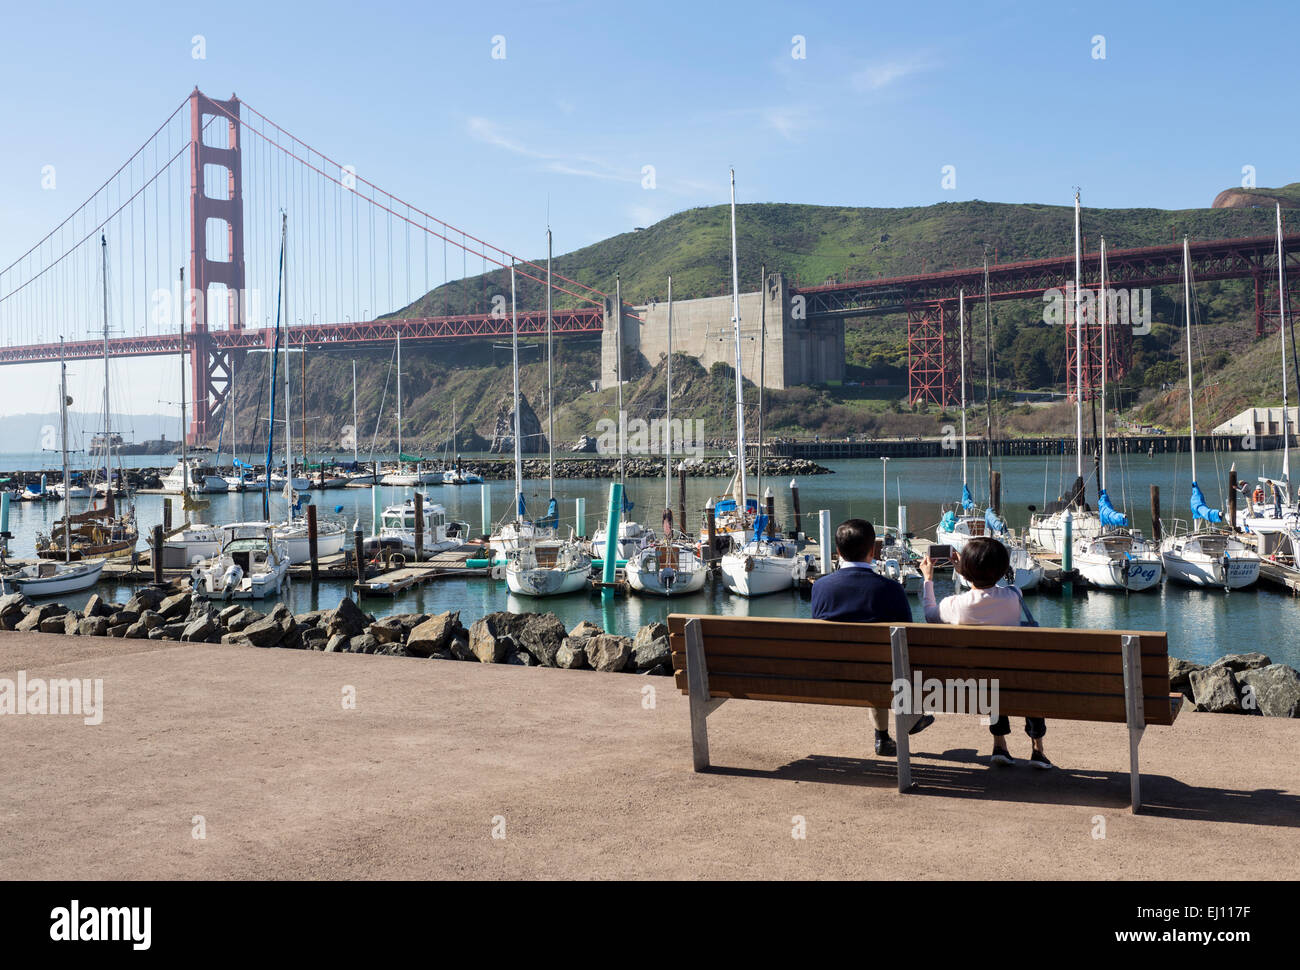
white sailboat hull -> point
(680, 573)
(543, 581)
(1106, 572)
(749, 574)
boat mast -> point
(108, 414)
(1078, 349)
(668, 410)
(618, 378)
(1102, 306)
(288, 427)
(740, 388)
(185, 465)
(550, 388)
(1281, 309)
(988, 378)
(961, 340)
(354, 412)
(63, 441)
(514, 346)
(762, 373)
(1191, 404)
(399, 400)
(275, 356)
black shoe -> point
(885, 747)
(1001, 758)
(921, 725)
(1039, 760)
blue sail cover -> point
(240, 464)
(519, 508)
(948, 522)
(1110, 518)
(552, 517)
(994, 522)
(1200, 510)
(967, 503)
(760, 526)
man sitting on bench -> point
(854, 593)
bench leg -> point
(902, 724)
(697, 685)
(903, 721)
(1134, 776)
(1131, 651)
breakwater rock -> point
(523, 639)
(607, 467)
(1238, 683)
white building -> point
(1260, 422)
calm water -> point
(1202, 625)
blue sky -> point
(589, 93)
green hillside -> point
(811, 245)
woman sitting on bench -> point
(983, 562)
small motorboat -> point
(47, 578)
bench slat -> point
(979, 657)
(921, 634)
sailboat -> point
(630, 532)
(671, 567)
(1116, 557)
(45, 578)
(454, 474)
(536, 565)
(1278, 510)
(1047, 528)
(96, 531)
(766, 563)
(959, 525)
(1204, 556)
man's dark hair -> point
(855, 539)
(984, 561)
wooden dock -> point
(450, 564)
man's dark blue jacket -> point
(856, 595)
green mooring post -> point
(611, 531)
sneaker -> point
(1039, 760)
(925, 721)
(885, 747)
(1002, 758)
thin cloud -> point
(582, 166)
(881, 74)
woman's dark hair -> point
(855, 539)
(984, 561)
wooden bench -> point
(1073, 675)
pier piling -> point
(358, 555)
(1232, 497)
(311, 543)
(156, 555)
(485, 497)
(1156, 530)
(794, 503)
(769, 501)
(167, 515)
